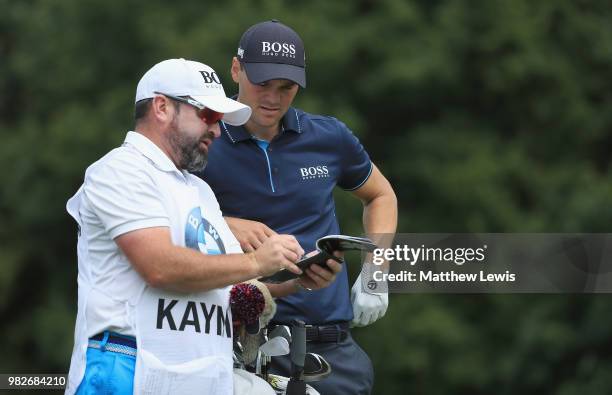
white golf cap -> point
(180, 77)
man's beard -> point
(187, 147)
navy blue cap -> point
(270, 50)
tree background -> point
(486, 116)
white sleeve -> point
(124, 196)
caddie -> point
(155, 258)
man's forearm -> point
(186, 270)
(380, 222)
(380, 215)
(165, 265)
(283, 289)
(192, 271)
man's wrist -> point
(254, 264)
(299, 287)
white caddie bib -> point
(185, 340)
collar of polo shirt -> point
(151, 151)
(290, 122)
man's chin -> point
(197, 162)
(194, 168)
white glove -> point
(367, 307)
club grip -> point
(298, 348)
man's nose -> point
(215, 130)
(272, 95)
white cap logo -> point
(211, 77)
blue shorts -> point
(107, 372)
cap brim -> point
(261, 72)
(234, 113)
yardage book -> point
(325, 246)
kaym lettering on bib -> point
(191, 317)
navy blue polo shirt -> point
(288, 184)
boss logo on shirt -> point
(311, 172)
(278, 49)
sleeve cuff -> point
(140, 224)
(363, 181)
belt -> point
(327, 333)
(333, 333)
(114, 342)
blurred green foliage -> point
(486, 116)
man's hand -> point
(317, 277)
(367, 308)
(276, 253)
(250, 234)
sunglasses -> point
(206, 114)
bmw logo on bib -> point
(200, 235)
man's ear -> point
(235, 69)
(162, 109)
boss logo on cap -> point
(210, 77)
(277, 49)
